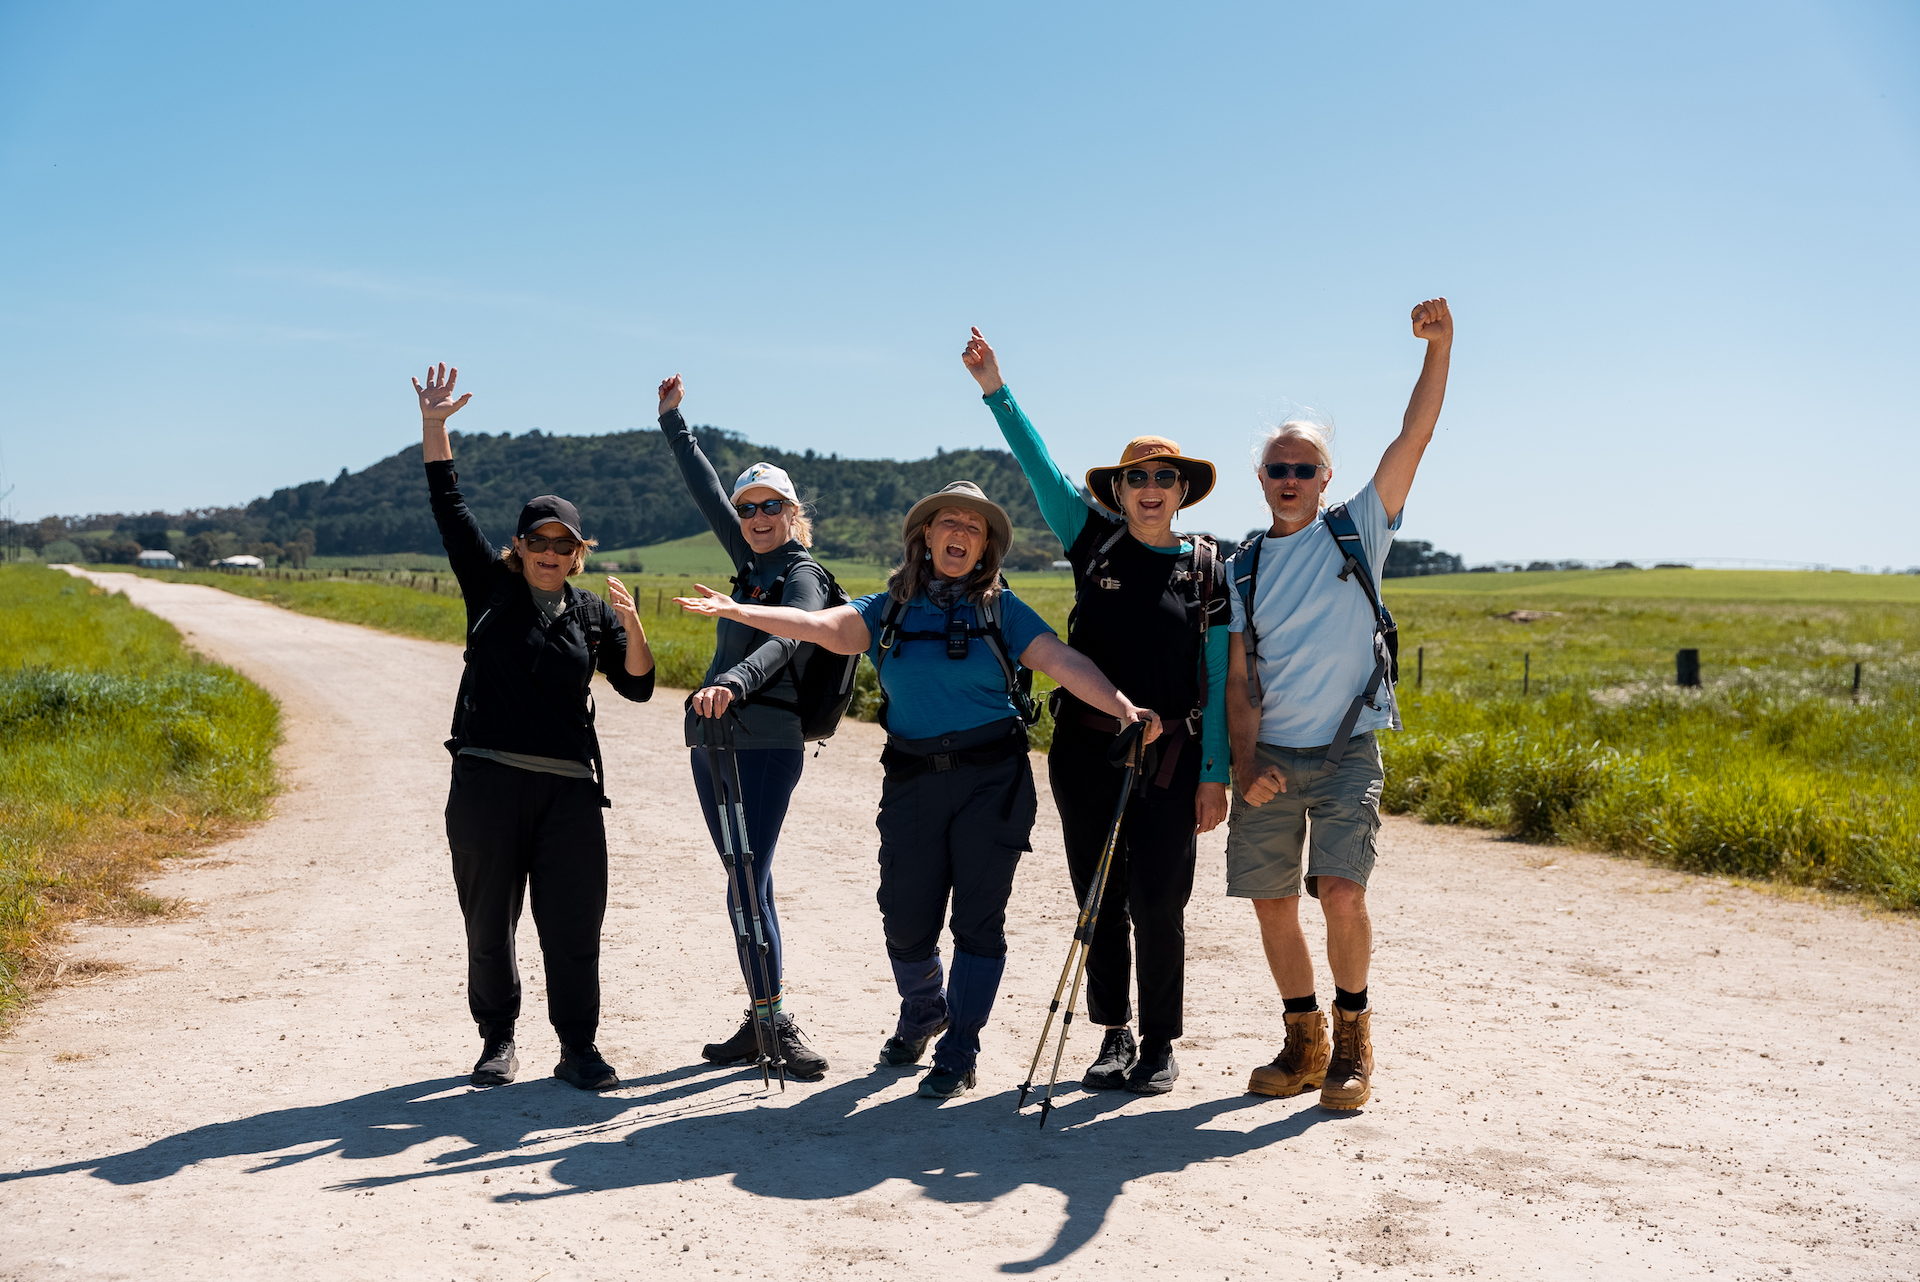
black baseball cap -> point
(549, 507)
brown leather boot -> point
(1349, 1081)
(1301, 1064)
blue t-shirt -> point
(1314, 631)
(929, 694)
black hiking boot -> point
(1156, 1070)
(904, 1052)
(1118, 1055)
(946, 1083)
(497, 1064)
(803, 1062)
(742, 1045)
(582, 1066)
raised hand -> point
(715, 605)
(979, 359)
(671, 392)
(436, 398)
(622, 602)
(1433, 322)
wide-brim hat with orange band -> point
(1142, 451)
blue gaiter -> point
(971, 988)
(923, 1008)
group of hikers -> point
(1256, 681)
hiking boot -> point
(946, 1083)
(1301, 1064)
(581, 1065)
(803, 1062)
(1118, 1055)
(1349, 1075)
(497, 1064)
(1156, 1069)
(904, 1052)
(742, 1045)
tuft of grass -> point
(118, 746)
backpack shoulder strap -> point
(1346, 536)
(1246, 572)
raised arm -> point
(703, 483)
(1433, 322)
(840, 629)
(1060, 504)
(1049, 654)
(469, 553)
(436, 406)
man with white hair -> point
(1306, 605)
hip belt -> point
(1171, 743)
(980, 746)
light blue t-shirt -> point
(929, 694)
(1315, 632)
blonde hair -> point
(510, 557)
(915, 571)
(802, 527)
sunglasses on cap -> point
(1298, 471)
(772, 507)
(562, 546)
(1164, 477)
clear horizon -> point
(1677, 242)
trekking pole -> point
(1130, 743)
(737, 851)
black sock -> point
(1301, 1005)
(1350, 1001)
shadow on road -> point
(700, 1122)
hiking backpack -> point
(823, 680)
(1386, 634)
(1206, 560)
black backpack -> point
(823, 680)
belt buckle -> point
(942, 760)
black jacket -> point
(525, 688)
(748, 660)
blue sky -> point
(1679, 241)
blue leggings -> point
(768, 777)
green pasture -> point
(1544, 705)
(113, 734)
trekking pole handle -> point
(1128, 744)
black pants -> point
(1150, 882)
(957, 833)
(510, 829)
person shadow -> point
(699, 1122)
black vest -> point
(1136, 614)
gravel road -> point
(1586, 1067)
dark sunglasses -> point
(1298, 471)
(540, 543)
(772, 507)
(1164, 477)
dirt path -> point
(1585, 1069)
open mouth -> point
(955, 551)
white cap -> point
(774, 478)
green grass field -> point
(118, 747)
(1775, 767)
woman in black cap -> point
(528, 787)
(958, 804)
(1151, 609)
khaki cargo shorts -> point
(1331, 817)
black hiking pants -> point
(1150, 882)
(511, 829)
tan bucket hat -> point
(969, 496)
(1141, 450)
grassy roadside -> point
(118, 748)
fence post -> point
(659, 600)
(1856, 683)
(1419, 666)
(1686, 668)
(1526, 671)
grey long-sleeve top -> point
(745, 659)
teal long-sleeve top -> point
(1066, 514)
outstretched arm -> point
(1394, 478)
(1049, 654)
(840, 629)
